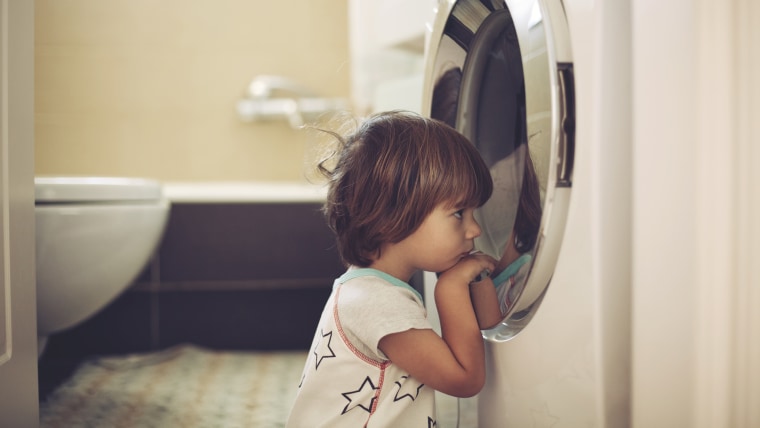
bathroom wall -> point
(146, 88)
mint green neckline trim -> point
(511, 270)
(356, 273)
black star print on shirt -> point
(410, 386)
(351, 405)
(323, 349)
(431, 422)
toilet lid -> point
(95, 189)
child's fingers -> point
(489, 261)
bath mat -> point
(185, 386)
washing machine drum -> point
(501, 73)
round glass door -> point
(501, 73)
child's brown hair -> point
(393, 171)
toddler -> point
(401, 198)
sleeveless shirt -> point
(347, 381)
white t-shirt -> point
(347, 381)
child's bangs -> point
(467, 187)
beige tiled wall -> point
(148, 88)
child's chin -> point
(449, 265)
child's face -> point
(444, 237)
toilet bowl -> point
(94, 235)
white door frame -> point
(18, 315)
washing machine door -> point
(501, 73)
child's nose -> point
(474, 229)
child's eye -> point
(459, 214)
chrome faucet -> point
(270, 97)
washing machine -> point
(540, 87)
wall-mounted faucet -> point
(265, 85)
(275, 97)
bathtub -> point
(246, 235)
(237, 256)
(259, 192)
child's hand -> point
(470, 268)
(473, 272)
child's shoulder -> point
(368, 285)
(369, 307)
(372, 290)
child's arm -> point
(453, 363)
(486, 303)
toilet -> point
(94, 236)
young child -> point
(401, 199)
